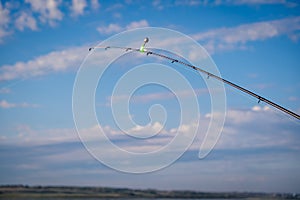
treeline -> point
(15, 191)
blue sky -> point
(253, 43)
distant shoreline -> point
(24, 191)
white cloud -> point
(115, 28)
(54, 62)
(25, 20)
(57, 61)
(235, 38)
(48, 10)
(137, 24)
(5, 104)
(4, 21)
(111, 28)
(146, 131)
(256, 108)
(78, 7)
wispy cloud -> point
(160, 5)
(6, 105)
(236, 37)
(256, 2)
(158, 96)
(114, 28)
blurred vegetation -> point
(34, 192)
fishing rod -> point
(173, 60)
